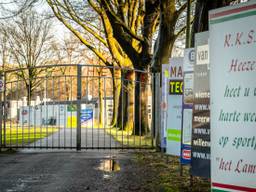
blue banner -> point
(86, 115)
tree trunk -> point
(116, 81)
(29, 93)
(125, 118)
(122, 100)
(166, 37)
(141, 103)
(129, 112)
(101, 111)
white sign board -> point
(174, 109)
(189, 60)
(233, 97)
(202, 55)
(164, 95)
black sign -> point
(201, 123)
(175, 87)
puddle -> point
(109, 165)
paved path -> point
(89, 138)
(67, 172)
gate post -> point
(1, 112)
(156, 109)
(78, 105)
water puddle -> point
(109, 165)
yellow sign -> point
(71, 121)
(166, 73)
(176, 87)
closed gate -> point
(76, 106)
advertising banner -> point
(200, 157)
(164, 95)
(86, 116)
(175, 91)
(233, 97)
(187, 107)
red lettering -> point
(237, 166)
(233, 65)
(238, 38)
(250, 37)
(242, 65)
(227, 40)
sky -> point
(42, 8)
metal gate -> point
(76, 107)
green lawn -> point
(130, 140)
(25, 135)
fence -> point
(77, 106)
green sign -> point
(71, 108)
(174, 135)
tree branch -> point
(75, 32)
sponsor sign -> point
(71, 121)
(164, 95)
(174, 109)
(186, 153)
(233, 96)
(72, 108)
(86, 115)
(200, 157)
(189, 61)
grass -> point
(162, 173)
(127, 139)
(26, 135)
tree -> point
(29, 42)
(4, 51)
(127, 33)
(171, 12)
(12, 8)
(128, 29)
(68, 51)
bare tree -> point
(126, 35)
(4, 52)
(12, 8)
(29, 41)
(68, 51)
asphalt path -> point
(63, 171)
(66, 137)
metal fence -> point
(76, 107)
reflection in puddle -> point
(109, 165)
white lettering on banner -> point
(201, 119)
(201, 155)
(201, 131)
(202, 107)
(201, 142)
(202, 95)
